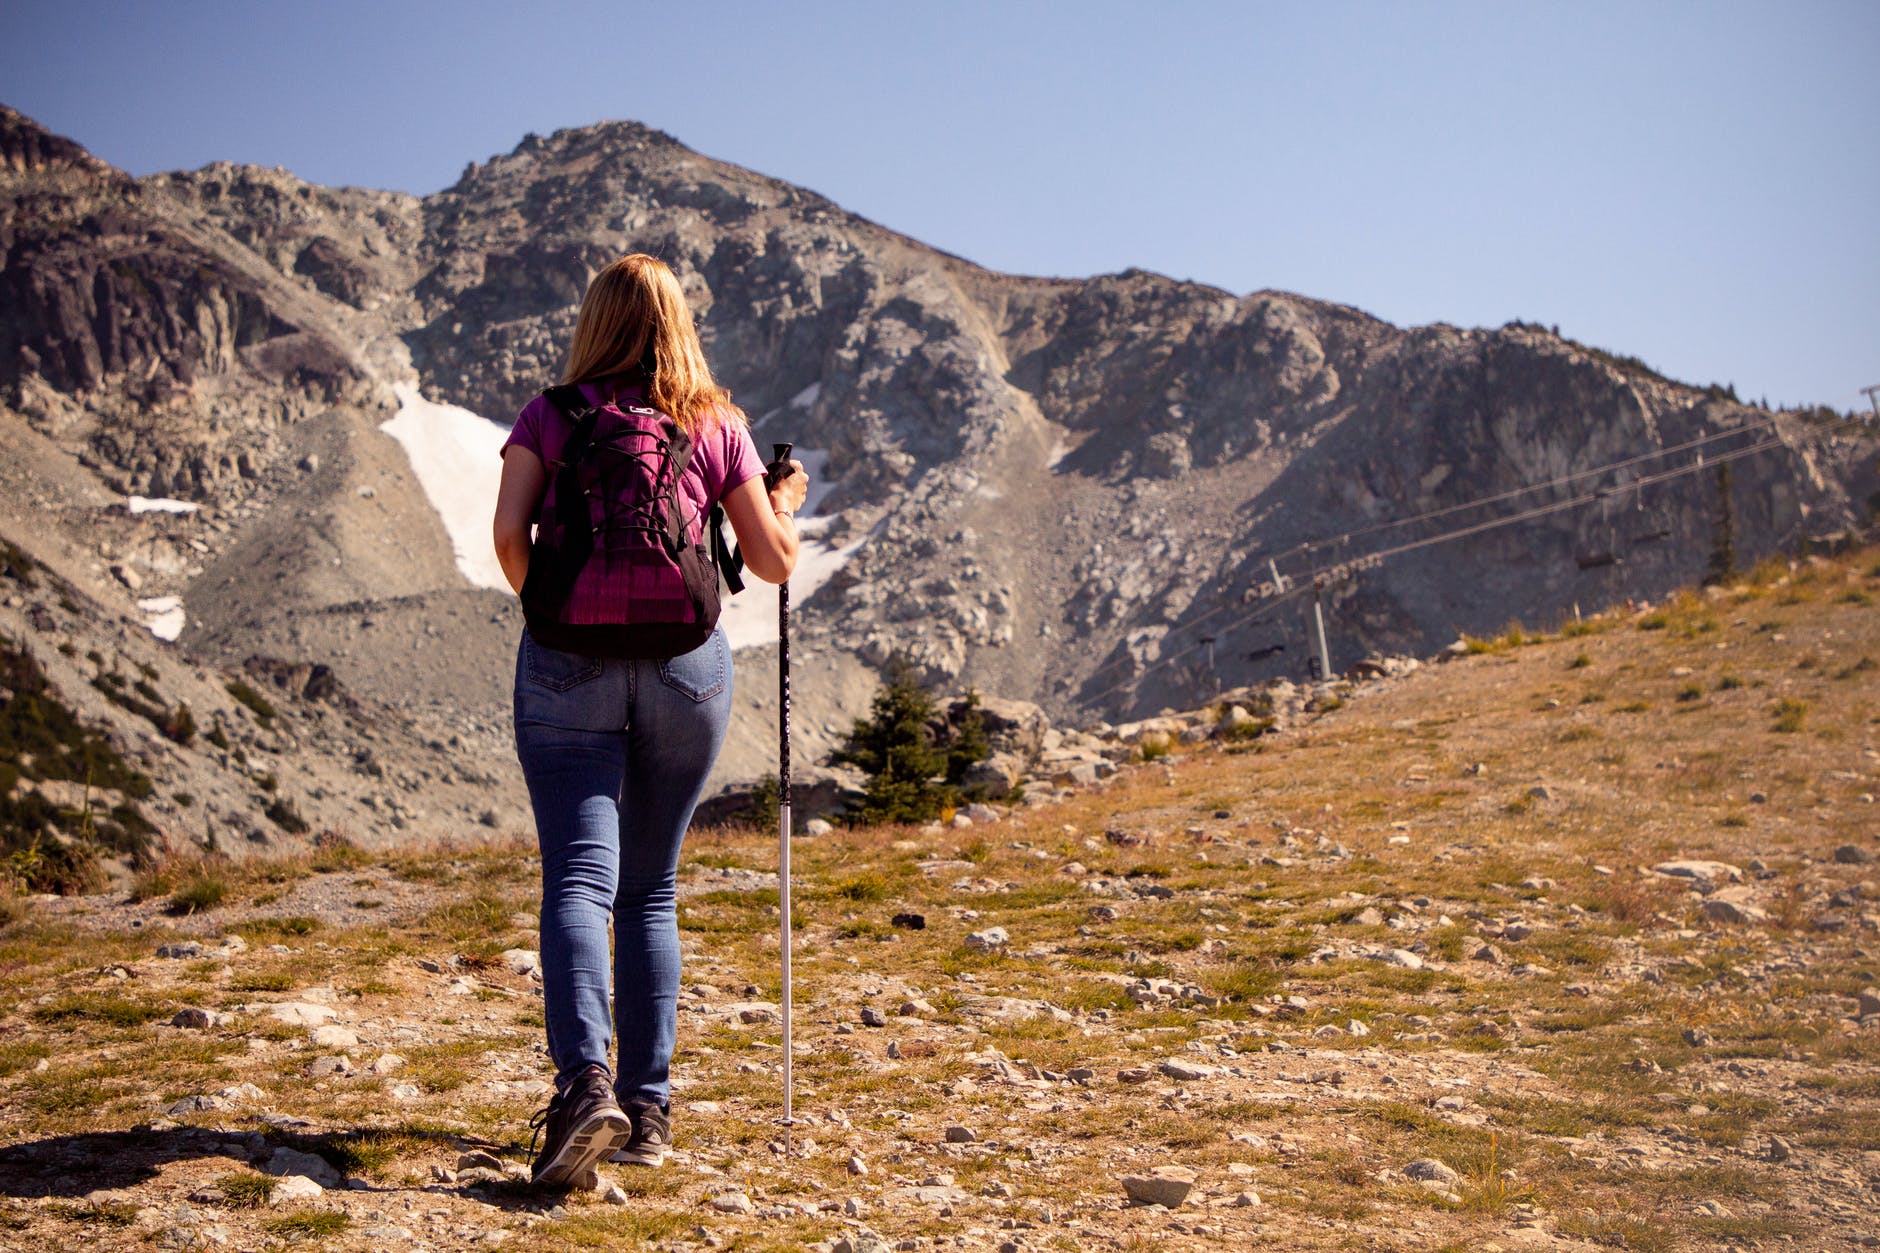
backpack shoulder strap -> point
(730, 562)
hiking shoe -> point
(580, 1127)
(652, 1134)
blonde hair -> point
(635, 318)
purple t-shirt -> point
(723, 457)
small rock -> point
(1734, 913)
(523, 961)
(914, 1008)
(872, 1017)
(323, 1067)
(1705, 876)
(1779, 1150)
(1853, 855)
(1867, 1002)
(195, 1105)
(1429, 1170)
(857, 1165)
(286, 1161)
(1135, 1074)
(1713, 1208)
(181, 950)
(611, 1193)
(197, 1019)
(385, 1063)
(863, 1241)
(302, 1013)
(733, 1203)
(987, 940)
(960, 1135)
(817, 826)
(1486, 953)
(293, 1188)
(1401, 957)
(1697, 1037)
(334, 1036)
(1185, 1071)
(1167, 1186)
(477, 1159)
(909, 922)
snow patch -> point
(750, 617)
(806, 399)
(457, 456)
(164, 615)
(159, 504)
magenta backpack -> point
(616, 571)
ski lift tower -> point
(1873, 398)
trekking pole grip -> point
(779, 468)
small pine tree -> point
(896, 748)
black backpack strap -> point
(730, 563)
(678, 456)
(551, 591)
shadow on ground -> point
(83, 1163)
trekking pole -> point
(780, 470)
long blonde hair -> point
(635, 318)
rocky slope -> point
(1053, 489)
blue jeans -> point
(616, 754)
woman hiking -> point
(620, 709)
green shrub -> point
(246, 1189)
(202, 890)
(256, 702)
(1788, 714)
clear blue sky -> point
(1694, 183)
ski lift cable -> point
(1303, 581)
(1552, 507)
(1266, 609)
(1512, 493)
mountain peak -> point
(27, 147)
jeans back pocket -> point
(702, 673)
(558, 671)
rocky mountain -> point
(1047, 489)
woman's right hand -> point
(788, 496)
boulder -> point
(1705, 876)
(996, 776)
(1015, 727)
(287, 1161)
(1167, 1186)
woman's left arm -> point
(518, 498)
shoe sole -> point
(642, 1156)
(587, 1146)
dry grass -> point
(1487, 802)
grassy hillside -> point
(1418, 935)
